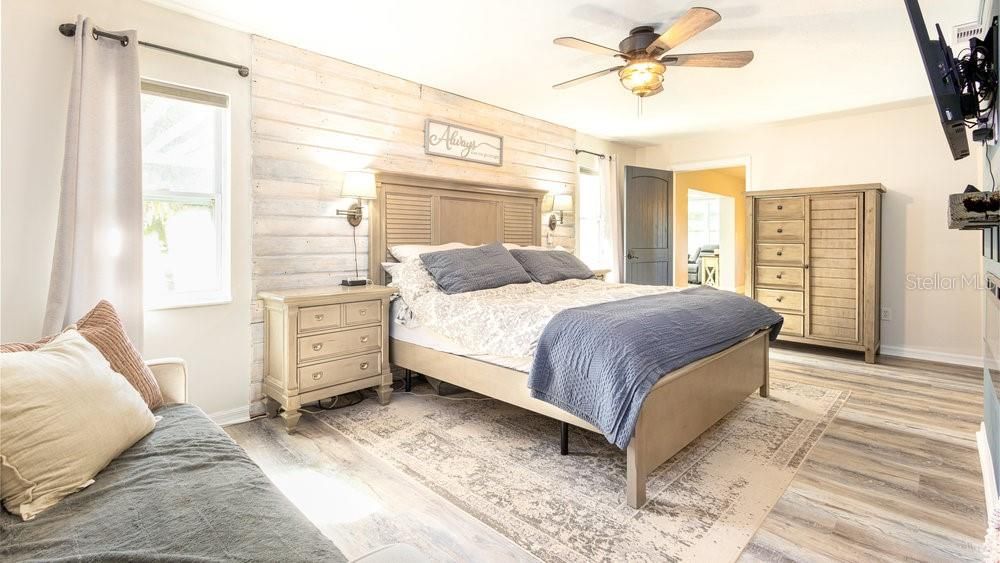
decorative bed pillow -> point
(64, 415)
(403, 252)
(472, 269)
(103, 328)
(547, 266)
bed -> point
(680, 406)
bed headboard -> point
(416, 210)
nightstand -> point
(601, 274)
(320, 343)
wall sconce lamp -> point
(558, 203)
(360, 185)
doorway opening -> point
(710, 227)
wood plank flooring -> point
(895, 477)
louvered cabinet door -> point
(834, 267)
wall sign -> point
(454, 141)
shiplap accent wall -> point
(315, 117)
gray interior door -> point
(648, 226)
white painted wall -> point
(37, 62)
(902, 147)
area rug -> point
(502, 465)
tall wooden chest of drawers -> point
(319, 343)
(814, 256)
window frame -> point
(220, 199)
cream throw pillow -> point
(64, 415)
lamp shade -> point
(562, 202)
(358, 184)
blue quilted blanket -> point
(599, 362)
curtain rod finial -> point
(68, 29)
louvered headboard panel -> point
(415, 210)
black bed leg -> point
(563, 438)
(407, 380)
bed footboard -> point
(688, 402)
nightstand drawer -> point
(781, 299)
(363, 312)
(339, 371)
(318, 318)
(340, 343)
(780, 276)
(781, 231)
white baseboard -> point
(932, 356)
(231, 416)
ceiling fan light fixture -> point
(643, 77)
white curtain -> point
(613, 236)
(98, 250)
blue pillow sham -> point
(472, 269)
(547, 266)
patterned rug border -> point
(484, 513)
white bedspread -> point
(506, 321)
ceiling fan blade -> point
(690, 24)
(585, 46)
(729, 59)
(586, 77)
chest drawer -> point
(339, 343)
(339, 371)
(781, 208)
(780, 276)
(792, 325)
(318, 318)
(791, 254)
(781, 299)
(780, 231)
(362, 312)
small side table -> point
(320, 343)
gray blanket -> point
(599, 362)
(185, 492)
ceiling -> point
(812, 56)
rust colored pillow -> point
(103, 328)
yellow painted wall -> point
(723, 181)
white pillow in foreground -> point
(64, 415)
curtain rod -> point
(597, 154)
(69, 30)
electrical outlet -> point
(886, 314)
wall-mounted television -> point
(964, 88)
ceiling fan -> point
(646, 54)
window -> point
(185, 184)
(595, 250)
(703, 220)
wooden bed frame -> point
(682, 405)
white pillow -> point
(510, 246)
(64, 415)
(404, 251)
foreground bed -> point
(682, 405)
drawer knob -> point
(780, 230)
(780, 252)
(316, 375)
(317, 347)
(364, 365)
(364, 339)
(780, 207)
(318, 317)
(779, 275)
(779, 298)
(363, 312)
